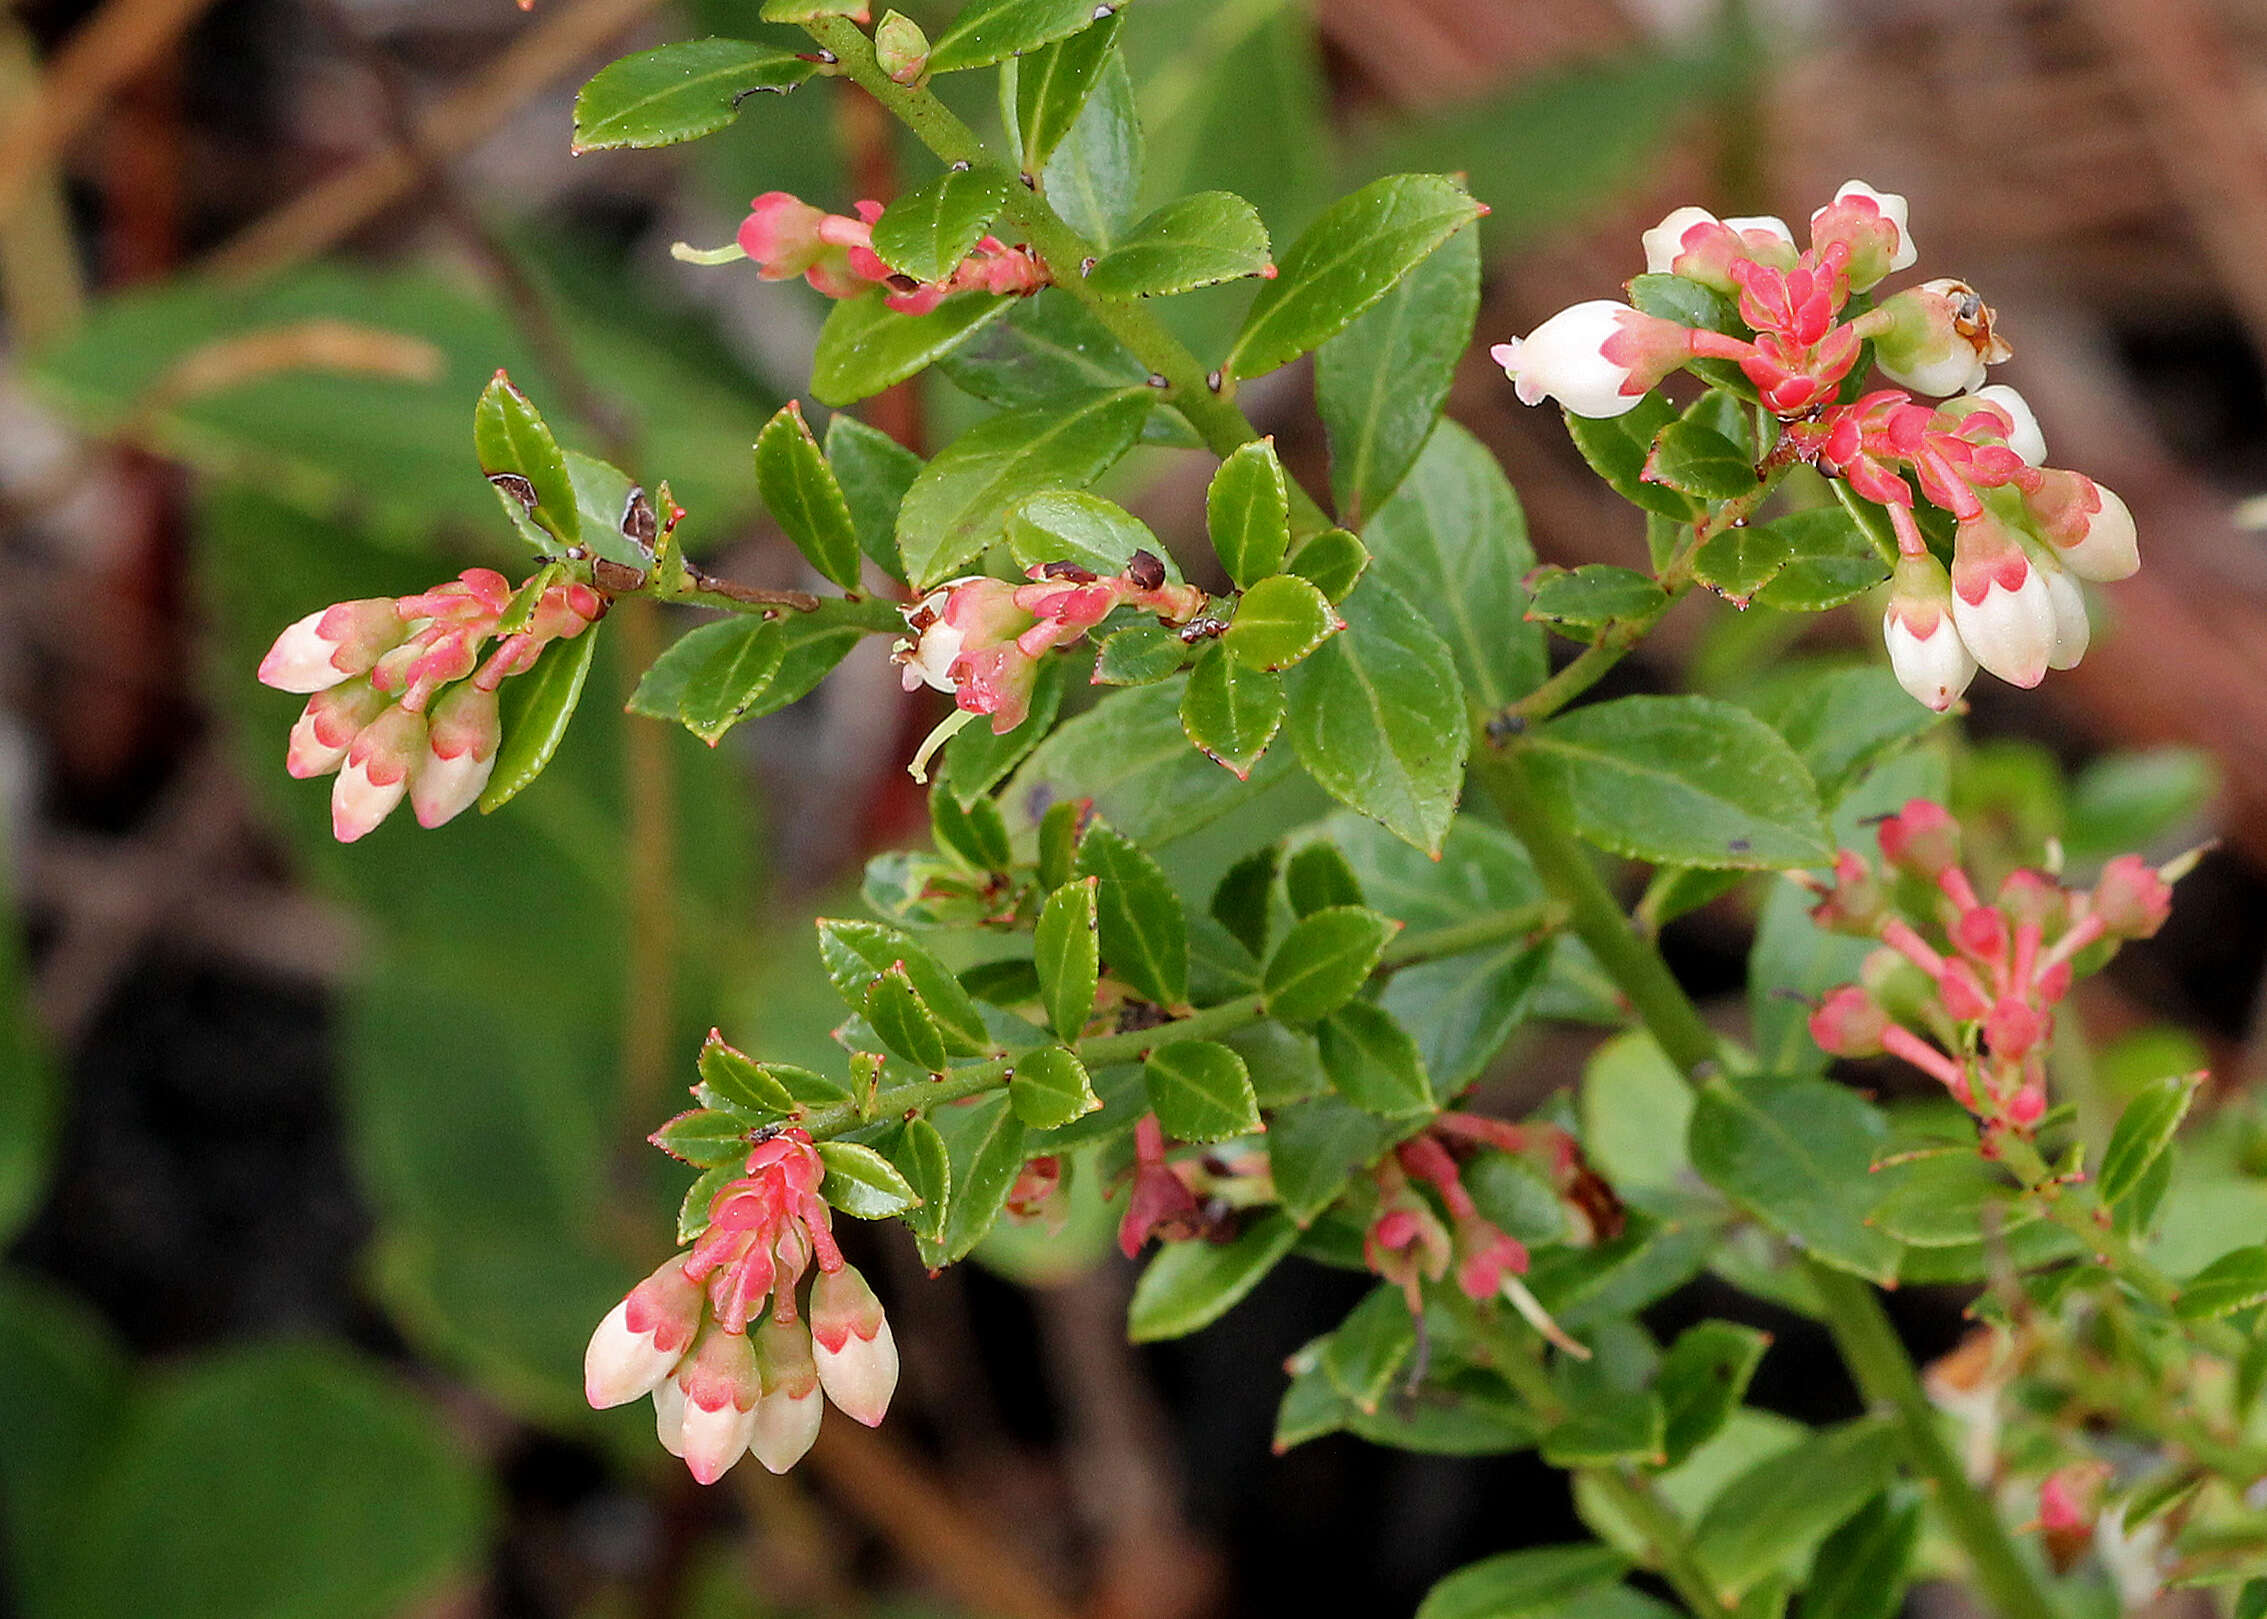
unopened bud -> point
(900, 48)
(460, 754)
(1922, 839)
(334, 644)
(850, 1337)
(328, 726)
(1936, 338)
(721, 1386)
(1926, 653)
(2131, 898)
(2021, 432)
(376, 776)
(789, 1414)
(2000, 603)
(1870, 228)
(2089, 528)
(1848, 1023)
(1598, 359)
(642, 1338)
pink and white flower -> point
(2089, 527)
(1925, 650)
(333, 644)
(857, 1356)
(2000, 603)
(460, 754)
(642, 1338)
(1598, 359)
(1868, 230)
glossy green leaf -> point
(1285, 1063)
(1244, 898)
(1739, 562)
(1279, 622)
(1541, 1582)
(1830, 562)
(1193, 241)
(535, 710)
(1049, 345)
(1318, 876)
(736, 1080)
(717, 675)
(705, 1137)
(2235, 1281)
(1594, 595)
(960, 503)
(857, 952)
(1453, 541)
(928, 231)
(1094, 178)
(1314, 1147)
(1331, 561)
(1344, 262)
(1797, 1154)
(862, 1183)
(1372, 1344)
(1702, 1380)
(1230, 710)
(1049, 1087)
(1635, 1108)
(1070, 525)
(1144, 935)
(1617, 1426)
(2144, 1130)
(974, 833)
(865, 346)
(1052, 85)
(903, 1022)
(1686, 781)
(1324, 961)
(1861, 1570)
(801, 11)
(1200, 1091)
(1190, 1285)
(984, 1147)
(1695, 458)
(1946, 1198)
(1789, 1502)
(1842, 722)
(1618, 448)
(679, 92)
(521, 458)
(1067, 951)
(917, 1151)
(977, 760)
(2130, 800)
(1381, 383)
(988, 31)
(1378, 716)
(1373, 1062)
(1140, 656)
(1248, 513)
(800, 492)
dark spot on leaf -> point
(512, 484)
(639, 520)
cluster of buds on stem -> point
(402, 703)
(1965, 990)
(787, 237)
(2023, 534)
(716, 1338)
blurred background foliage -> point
(317, 1165)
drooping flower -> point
(1598, 359)
(1925, 649)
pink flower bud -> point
(2034, 900)
(2089, 527)
(327, 727)
(1961, 993)
(642, 1338)
(332, 645)
(1925, 650)
(788, 1415)
(1921, 840)
(1938, 338)
(376, 777)
(2019, 424)
(1598, 359)
(851, 1340)
(459, 756)
(1695, 244)
(669, 1417)
(1849, 1023)
(1870, 229)
(1856, 904)
(2012, 1028)
(781, 235)
(2132, 900)
(721, 1386)
(1999, 602)
(1485, 1256)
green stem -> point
(1461, 938)
(1884, 1372)
(1188, 387)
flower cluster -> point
(981, 638)
(1967, 996)
(401, 704)
(1188, 1199)
(787, 237)
(2023, 534)
(729, 1376)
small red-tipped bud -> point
(900, 48)
(332, 645)
(1921, 840)
(788, 1415)
(1936, 338)
(329, 724)
(376, 776)
(720, 1385)
(1869, 227)
(1981, 933)
(1598, 358)
(1926, 653)
(2012, 1027)
(1849, 1023)
(1484, 1256)
(2131, 898)
(2029, 897)
(856, 1354)
(2000, 601)
(1856, 903)
(460, 754)
(642, 1338)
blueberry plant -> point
(1270, 1056)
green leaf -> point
(1635, 1108)
(535, 709)
(1785, 1504)
(862, 1183)
(1324, 961)
(735, 1080)
(918, 1153)
(716, 674)
(1946, 1199)
(1618, 449)
(1842, 722)
(1094, 178)
(1051, 87)
(705, 1137)
(959, 504)
(800, 492)
(1594, 595)
(1742, 560)
(1374, 1341)
(974, 833)
(988, 31)
(1140, 656)
(1453, 542)
(1314, 1147)
(1243, 898)
(2232, 1282)
(1378, 717)
(2143, 1132)
(521, 458)
(865, 346)
(1373, 1063)
(1231, 711)
(1190, 1285)
(801, 11)
(1381, 383)
(1144, 935)
(1050, 345)
(1331, 561)
(1193, 241)
(1797, 1154)
(2130, 800)
(1541, 1582)
(1319, 876)
(903, 1021)
(976, 760)
(2251, 1601)
(1694, 457)
(1832, 562)
(1686, 781)
(1344, 262)
(1861, 1570)
(984, 1148)
(928, 231)
(679, 92)
(1703, 1378)
(1049, 1087)
(1070, 525)
(1200, 1091)
(1285, 1064)
(1248, 513)
(63, 1389)
(1614, 1427)
(858, 952)
(1067, 952)
(1279, 621)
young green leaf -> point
(1739, 562)
(679, 92)
(1049, 345)
(1324, 961)
(1861, 1570)
(1687, 781)
(1318, 877)
(801, 11)
(1070, 525)
(1067, 951)
(984, 1147)
(1241, 900)
(857, 953)
(1702, 1380)
(1144, 935)
(961, 500)
(1230, 711)
(974, 833)
(535, 710)
(903, 1021)
(1787, 1503)
(704, 1137)
(1378, 716)
(714, 677)
(692, 1209)
(2143, 1132)
(1373, 1062)
(862, 1183)
(1314, 1147)
(1200, 1091)
(1842, 722)
(927, 232)
(1593, 596)
(1140, 656)
(1094, 178)
(1381, 383)
(1248, 513)
(1344, 262)
(865, 346)
(1049, 1087)
(736, 1081)
(1279, 622)
(1798, 1155)
(1373, 1343)
(1331, 561)
(1051, 87)
(800, 492)
(1058, 843)
(1830, 562)
(1618, 449)
(1193, 1284)
(1694, 457)
(917, 1152)
(988, 31)
(1194, 241)
(522, 460)
(2232, 1282)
